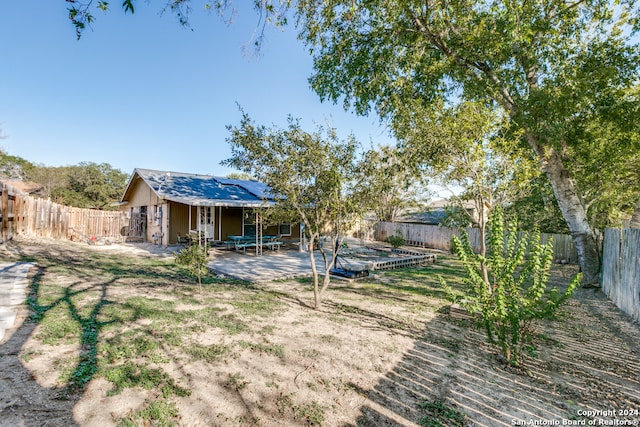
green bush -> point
(396, 241)
(516, 292)
(194, 258)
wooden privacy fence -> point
(621, 269)
(25, 215)
(437, 237)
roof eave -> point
(227, 203)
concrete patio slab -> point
(285, 264)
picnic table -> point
(244, 242)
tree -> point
(194, 259)
(545, 63)
(86, 185)
(387, 184)
(481, 161)
(240, 176)
(635, 218)
(606, 167)
(14, 167)
(308, 175)
(606, 161)
(82, 13)
(51, 178)
(514, 294)
(537, 209)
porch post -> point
(213, 222)
(199, 224)
(219, 223)
(258, 234)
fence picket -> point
(32, 216)
(621, 269)
(437, 237)
(620, 255)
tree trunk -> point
(635, 219)
(573, 211)
(483, 239)
(314, 271)
(330, 263)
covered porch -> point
(167, 207)
(233, 227)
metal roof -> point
(256, 188)
(203, 190)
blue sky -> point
(142, 91)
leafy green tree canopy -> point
(14, 167)
(545, 63)
(537, 209)
(86, 185)
(309, 175)
(388, 184)
(82, 13)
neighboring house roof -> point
(432, 217)
(201, 190)
(434, 214)
(444, 203)
(23, 186)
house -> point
(163, 205)
(436, 213)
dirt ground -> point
(381, 352)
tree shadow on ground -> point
(582, 363)
(76, 286)
(24, 401)
(90, 327)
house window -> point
(284, 229)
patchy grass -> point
(237, 382)
(131, 374)
(262, 305)
(161, 349)
(310, 413)
(137, 331)
(266, 348)
(439, 414)
(208, 353)
(157, 413)
(228, 323)
(57, 327)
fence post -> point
(5, 213)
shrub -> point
(194, 258)
(516, 292)
(396, 241)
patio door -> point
(207, 221)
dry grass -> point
(128, 339)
